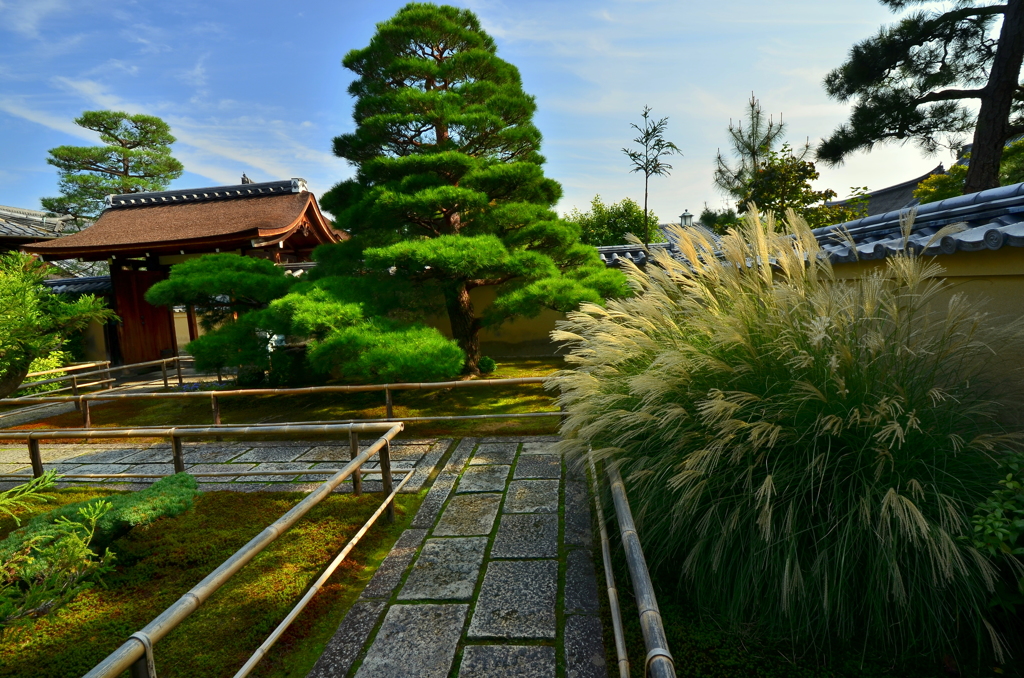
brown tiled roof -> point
(209, 223)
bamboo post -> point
(74, 389)
(163, 370)
(177, 362)
(357, 477)
(35, 457)
(179, 460)
(390, 403)
(86, 413)
(110, 384)
(385, 474)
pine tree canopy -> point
(449, 194)
(916, 80)
(136, 159)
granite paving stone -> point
(541, 447)
(105, 456)
(532, 496)
(389, 574)
(584, 649)
(163, 469)
(508, 661)
(218, 468)
(447, 569)
(275, 454)
(494, 453)
(460, 455)
(347, 642)
(426, 465)
(328, 453)
(517, 600)
(61, 468)
(468, 515)
(539, 466)
(415, 641)
(211, 455)
(434, 500)
(526, 535)
(580, 582)
(96, 468)
(578, 530)
(280, 466)
(150, 456)
(15, 455)
(484, 479)
(13, 468)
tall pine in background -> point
(449, 195)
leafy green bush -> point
(379, 350)
(54, 360)
(804, 454)
(487, 365)
(49, 569)
(167, 497)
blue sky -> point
(257, 86)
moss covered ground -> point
(158, 563)
(268, 409)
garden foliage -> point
(34, 322)
(951, 184)
(449, 194)
(803, 454)
(608, 224)
(48, 570)
(167, 497)
(329, 326)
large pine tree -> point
(911, 81)
(449, 194)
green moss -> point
(159, 562)
(168, 497)
(316, 407)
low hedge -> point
(167, 497)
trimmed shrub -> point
(167, 497)
(803, 454)
(487, 365)
(381, 350)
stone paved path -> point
(494, 579)
(295, 460)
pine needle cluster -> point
(803, 453)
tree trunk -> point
(12, 378)
(465, 326)
(994, 116)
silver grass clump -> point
(803, 453)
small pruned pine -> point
(803, 454)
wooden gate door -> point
(146, 331)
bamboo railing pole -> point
(163, 372)
(261, 651)
(86, 413)
(176, 454)
(357, 475)
(129, 652)
(658, 662)
(35, 457)
(389, 403)
(385, 474)
(177, 363)
(609, 575)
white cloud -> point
(27, 16)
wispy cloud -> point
(27, 16)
